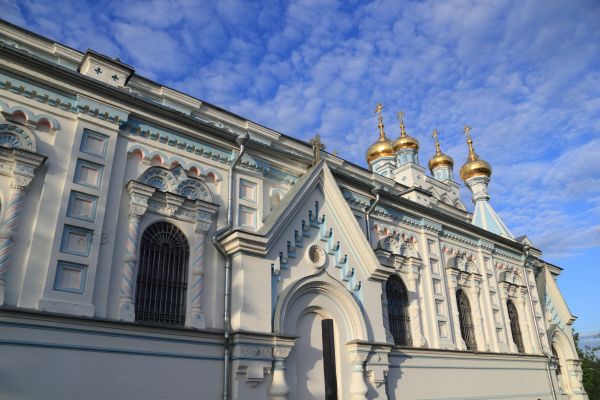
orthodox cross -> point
(400, 116)
(378, 108)
(437, 143)
(468, 132)
(317, 146)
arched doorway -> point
(325, 318)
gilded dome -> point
(474, 166)
(381, 148)
(439, 159)
(405, 141)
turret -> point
(476, 174)
(405, 147)
(440, 164)
(380, 154)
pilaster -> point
(358, 353)
(139, 194)
(20, 166)
(414, 309)
(205, 213)
(452, 281)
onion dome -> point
(383, 146)
(439, 159)
(404, 141)
(474, 166)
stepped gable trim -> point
(260, 243)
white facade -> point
(93, 156)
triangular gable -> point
(279, 220)
(555, 302)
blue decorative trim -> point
(81, 196)
(62, 265)
(137, 127)
(97, 109)
(37, 91)
(91, 165)
(253, 211)
(87, 134)
(253, 186)
(76, 230)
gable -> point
(313, 210)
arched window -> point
(162, 275)
(467, 329)
(397, 298)
(514, 326)
(557, 361)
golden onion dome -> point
(404, 141)
(474, 166)
(439, 159)
(383, 146)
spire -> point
(472, 156)
(476, 174)
(383, 146)
(474, 166)
(400, 116)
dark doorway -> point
(329, 360)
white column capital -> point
(205, 214)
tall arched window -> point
(397, 299)
(162, 275)
(514, 326)
(467, 329)
(557, 365)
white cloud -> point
(523, 74)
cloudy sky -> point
(524, 74)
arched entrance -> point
(324, 317)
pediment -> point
(313, 213)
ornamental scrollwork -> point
(176, 181)
(15, 137)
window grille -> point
(162, 275)
(515, 327)
(467, 329)
(397, 298)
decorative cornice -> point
(146, 130)
(75, 104)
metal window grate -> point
(467, 329)
(514, 326)
(397, 297)
(162, 275)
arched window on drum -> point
(467, 329)
(162, 275)
(398, 317)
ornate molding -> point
(176, 181)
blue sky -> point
(524, 74)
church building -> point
(156, 246)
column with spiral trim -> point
(139, 195)
(204, 216)
(9, 229)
